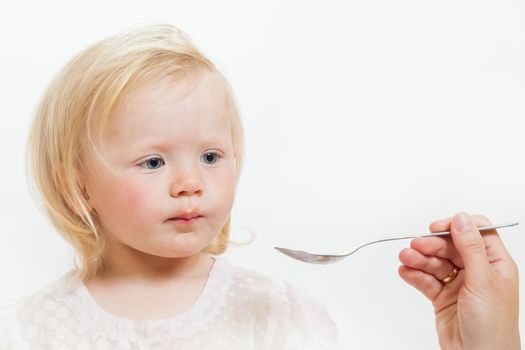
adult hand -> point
(478, 309)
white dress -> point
(237, 309)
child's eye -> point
(155, 163)
(210, 156)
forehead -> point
(173, 109)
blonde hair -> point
(83, 94)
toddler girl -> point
(137, 149)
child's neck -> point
(157, 289)
(129, 264)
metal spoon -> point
(332, 258)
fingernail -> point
(463, 223)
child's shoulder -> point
(40, 307)
(48, 297)
(55, 291)
(293, 315)
(255, 286)
(250, 279)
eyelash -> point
(219, 156)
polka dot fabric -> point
(238, 309)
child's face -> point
(170, 151)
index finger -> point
(496, 250)
(439, 246)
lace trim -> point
(94, 318)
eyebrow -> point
(163, 145)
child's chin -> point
(185, 245)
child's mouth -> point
(184, 221)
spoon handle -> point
(447, 233)
(443, 233)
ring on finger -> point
(451, 276)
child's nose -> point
(186, 184)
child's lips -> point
(187, 215)
(185, 221)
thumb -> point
(471, 248)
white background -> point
(363, 119)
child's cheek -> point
(135, 197)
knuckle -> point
(481, 219)
(428, 264)
(427, 281)
(475, 245)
